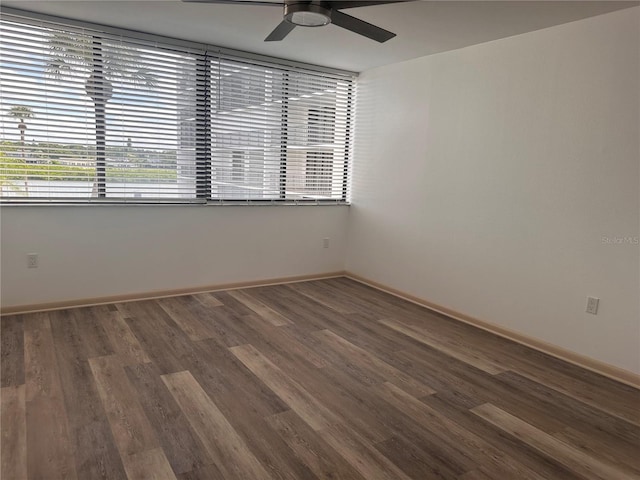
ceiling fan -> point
(317, 13)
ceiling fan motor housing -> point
(307, 14)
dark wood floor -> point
(319, 380)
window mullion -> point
(100, 92)
(203, 129)
(284, 136)
(347, 145)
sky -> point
(64, 113)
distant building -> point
(76, 162)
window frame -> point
(203, 119)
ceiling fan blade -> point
(280, 32)
(360, 27)
(238, 2)
(340, 4)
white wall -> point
(96, 251)
(486, 178)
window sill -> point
(228, 203)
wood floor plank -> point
(512, 447)
(49, 445)
(218, 371)
(605, 451)
(355, 329)
(350, 292)
(303, 311)
(381, 303)
(616, 398)
(267, 314)
(221, 374)
(573, 458)
(232, 305)
(124, 342)
(290, 391)
(479, 474)
(353, 354)
(466, 386)
(288, 341)
(361, 455)
(221, 323)
(433, 341)
(182, 447)
(246, 405)
(446, 375)
(452, 435)
(418, 461)
(131, 430)
(622, 402)
(161, 339)
(89, 327)
(371, 335)
(94, 450)
(50, 451)
(182, 312)
(149, 465)
(13, 451)
(361, 409)
(350, 401)
(603, 428)
(216, 433)
(206, 472)
(586, 386)
(357, 371)
(207, 299)
(323, 461)
(11, 351)
(228, 327)
(339, 303)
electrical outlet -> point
(32, 260)
(592, 305)
(325, 243)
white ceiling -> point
(423, 27)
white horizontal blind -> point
(90, 116)
(277, 132)
(105, 118)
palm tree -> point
(22, 112)
(71, 54)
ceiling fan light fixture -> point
(307, 15)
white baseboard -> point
(602, 368)
(132, 297)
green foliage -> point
(51, 152)
(77, 54)
(21, 112)
(16, 170)
(142, 175)
(5, 180)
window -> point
(319, 168)
(91, 116)
(237, 167)
(318, 173)
(277, 117)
